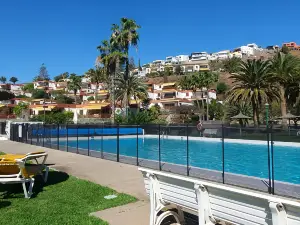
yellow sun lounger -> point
(13, 157)
(18, 171)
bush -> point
(62, 99)
(38, 93)
(91, 98)
(54, 118)
(221, 88)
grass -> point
(62, 200)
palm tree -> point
(110, 57)
(253, 84)
(13, 80)
(3, 79)
(284, 70)
(74, 84)
(128, 88)
(123, 37)
(97, 76)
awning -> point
(168, 84)
(95, 106)
(42, 109)
(133, 102)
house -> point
(292, 45)
(182, 58)
(196, 56)
(171, 60)
(223, 54)
(195, 66)
(41, 84)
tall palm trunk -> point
(257, 116)
(254, 111)
(75, 92)
(115, 72)
(283, 104)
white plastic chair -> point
(20, 172)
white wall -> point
(152, 95)
(187, 95)
(212, 95)
(157, 87)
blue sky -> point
(64, 34)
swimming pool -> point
(240, 158)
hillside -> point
(295, 53)
(223, 77)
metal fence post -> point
(137, 145)
(67, 127)
(272, 154)
(77, 140)
(223, 155)
(187, 151)
(31, 134)
(269, 160)
(102, 141)
(159, 153)
(37, 135)
(57, 136)
(88, 141)
(43, 135)
(118, 143)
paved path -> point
(120, 177)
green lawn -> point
(62, 200)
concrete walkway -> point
(120, 177)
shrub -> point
(54, 118)
(91, 98)
(221, 88)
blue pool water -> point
(246, 159)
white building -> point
(223, 54)
(170, 60)
(212, 57)
(182, 58)
(199, 56)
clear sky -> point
(64, 34)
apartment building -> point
(195, 66)
(198, 56)
(292, 45)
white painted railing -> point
(171, 194)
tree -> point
(38, 93)
(126, 35)
(131, 87)
(6, 95)
(74, 84)
(221, 88)
(91, 98)
(178, 70)
(3, 79)
(232, 65)
(97, 76)
(285, 49)
(131, 64)
(13, 80)
(253, 84)
(198, 81)
(28, 87)
(18, 109)
(216, 65)
(61, 77)
(284, 69)
(63, 99)
(43, 74)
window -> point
(187, 94)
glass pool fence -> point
(264, 159)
